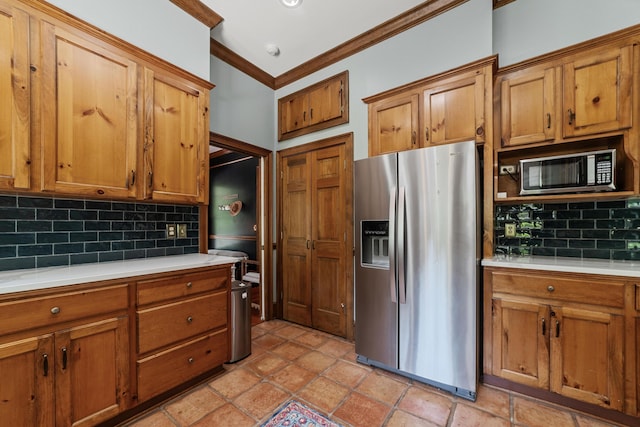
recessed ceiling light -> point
(291, 3)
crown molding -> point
(388, 29)
(225, 54)
(200, 11)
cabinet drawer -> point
(170, 323)
(162, 371)
(35, 312)
(167, 288)
(587, 290)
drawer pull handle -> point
(551, 288)
(45, 364)
(544, 327)
(64, 358)
(189, 319)
(189, 285)
(557, 329)
(55, 310)
(190, 360)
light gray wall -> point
(450, 40)
(241, 107)
(157, 26)
(527, 28)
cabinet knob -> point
(55, 310)
(189, 285)
(190, 360)
(551, 288)
(189, 319)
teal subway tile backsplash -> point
(48, 231)
(604, 229)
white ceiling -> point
(301, 33)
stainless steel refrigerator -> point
(417, 264)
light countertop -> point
(566, 265)
(49, 277)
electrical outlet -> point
(182, 231)
(171, 231)
(510, 230)
(508, 169)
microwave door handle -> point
(392, 244)
(402, 289)
(540, 175)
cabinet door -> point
(325, 102)
(393, 124)
(296, 239)
(293, 113)
(89, 116)
(92, 372)
(328, 235)
(527, 108)
(521, 342)
(455, 112)
(176, 144)
(587, 350)
(15, 163)
(26, 389)
(597, 93)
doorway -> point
(256, 213)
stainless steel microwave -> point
(579, 172)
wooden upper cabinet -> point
(597, 92)
(175, 146)
(455, 111)
(89, 117)
(319, 106)
(445, 108)
(527, 107)
(293, 113)
(15, 87)
(393, 124)
(325, 101)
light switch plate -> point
(182, 231)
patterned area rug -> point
(295, 414)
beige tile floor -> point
(289, 361)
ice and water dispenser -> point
(375, 243)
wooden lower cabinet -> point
(557, 332)
(182, 328)
(92, 372)
(72, 373)
(69, 358)
(164, 370)
(26, 389)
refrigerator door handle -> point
(392, 244)
(402, 288)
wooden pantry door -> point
(317, 237)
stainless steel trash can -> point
(240, 320)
